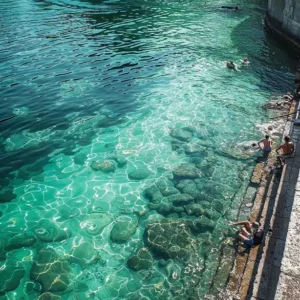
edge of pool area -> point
(267, 271)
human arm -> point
(280, 147)
(245, 223)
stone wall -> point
(283, 17)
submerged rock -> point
(50, 271)
(79, 159)
(95, 223)
(84, 253)
(10, 275)
(180, 199)
(20, 241)
(120, 159)
(123, 230)
(141, 261)
(105, 166)
(170, 239)
(181, 134)
(139, 174)
(49, 296)
(7, 196)
(186, 171)
(166, 187)
(48, 231)
(202, 224)
(165, 209)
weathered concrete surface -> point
(283, 18)
(287, 13)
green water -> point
(126, 160)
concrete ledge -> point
(255, 273)
(275, 28)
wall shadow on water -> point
(272, 62)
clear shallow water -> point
(94, 81)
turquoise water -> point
(124, 165)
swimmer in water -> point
(230, 65)
(245, 61)
(267, 144)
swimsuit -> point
(267, 149)
(248, 242)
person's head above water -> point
(270, 127)
(236, 8)
(286, 138)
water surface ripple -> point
(128, 154)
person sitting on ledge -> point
(251, 233)
(286, 149)
(230, 65)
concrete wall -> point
(284, 17)
(291, 17)
(276, 8)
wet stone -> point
(165, 209)
(20, 241)
(177, 145)
(95, 223)
(48, 231)
(49, 296)
(194, 209)
(191, 190)
(122, 231)
(170, 239)
(193, 149)
(212, 214)
(105, 166)
(180, 199)
(79, 159)
(202, 224)
(166, 187)
(84, 253)
(7, 196)
(10, 275)
(157, 197)
(184, 183)
(50, 271)
(139, 174)
(218, 206)
(141, 261)
(120, 160)
(181, 134)
(186, 171)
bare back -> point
(287, 148)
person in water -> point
(230, 65)
(230, 7)
(251, 234)
(267, 144)
(245, 61)
(286, 149)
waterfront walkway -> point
(272, 270)
(278, 270)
